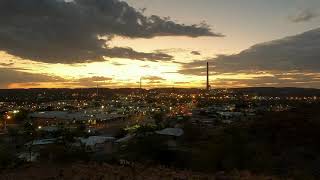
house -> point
(125, 139)
(177, 132)
(172, 135)
(29, 156)
(96, 143)
(41, 142)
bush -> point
(60, 153)
(7, 158)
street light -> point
(16, 111)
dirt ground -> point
(93, 171)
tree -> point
(145, 129)
(2, 121)
(20, 116)
(31, 133)
(7, 157)
(159, 118)
(29, 129)
(13, 133)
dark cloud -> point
(197, 68)
(27, 85)
(9, 76)
(24, 79)
(58, 31)
(193, 71)
(300, 53)
(182, 83)
(6, 64)
(117, 64)
(131, 54)
(155, 82)
(145, 66)
(303, 16)
(171, 50)
(153, 78)
(92, 81)
(95, 79)
(197, 53)
(86, 84)
(306, 80)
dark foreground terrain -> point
(282, 144)
(84, 171)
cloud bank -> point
(300, 52)
(297, 55)
(10, 76)
(58, 31)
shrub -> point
(7, 158)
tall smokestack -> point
(208, 85)
(97, 89)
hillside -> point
(113, 172)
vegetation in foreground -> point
(283, 144)
(94, 171)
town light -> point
(16, 111)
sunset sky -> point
(112, 43)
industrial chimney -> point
(140, 83)
(208, 85)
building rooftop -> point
(171, 132)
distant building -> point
(96, 143)
(171, 132)
(208, 81)
(49, 118)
